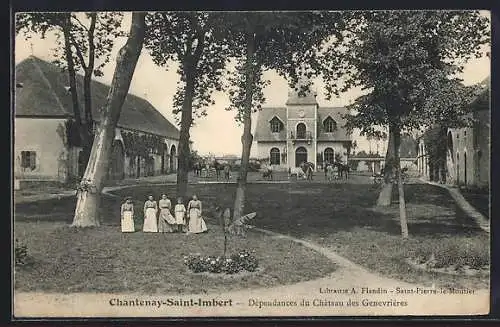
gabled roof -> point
(326, 117)
(336, 113)
(263, 128)
(278, 118)
(44, 94)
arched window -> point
(329, 125)
(275, 156)
(276, 125)
(329, 155)
(301, 131)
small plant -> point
(20, 253)
(241, 261)
(232, 227)
(245, 260)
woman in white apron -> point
(166, 222)
(150, 210)
(127, 216)
(196, 222)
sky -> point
(217, 133)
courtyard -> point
(338, 216)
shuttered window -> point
(28, 160)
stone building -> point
(301, 131)
(43, 117)
(467, 149)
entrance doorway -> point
(300, 156)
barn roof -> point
(44, 94)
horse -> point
(267, 173)
(227, 172)
(343, 170)
(197, 166)
(308, 168)
(218, 167)
(296, 171)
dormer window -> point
(276, 125)
(329, 125)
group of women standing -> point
(159, 219)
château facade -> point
(301, 131)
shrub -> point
(450, 252)
(241, 261)
(20, 253)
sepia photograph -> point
(194, 164)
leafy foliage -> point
(285, 42)
(435, 142)
(143, 144)
(407, 62)
(72, 133)
(188, 38)
(106, 28)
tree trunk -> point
(87, 92)
(186, 121)
(402, 206)
(138, 168)
(385, 196)
(87, 124)
(72, 74)
(89, 193)
(401, 194)
(247, 137)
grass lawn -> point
(478, 199)
(337, 216)
(105, 260)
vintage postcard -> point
(238, 164)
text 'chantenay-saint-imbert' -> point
(171, 302)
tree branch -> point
(199, 46)
(93, 18)
(78, 51)
(80, 23)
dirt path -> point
(481, 220)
